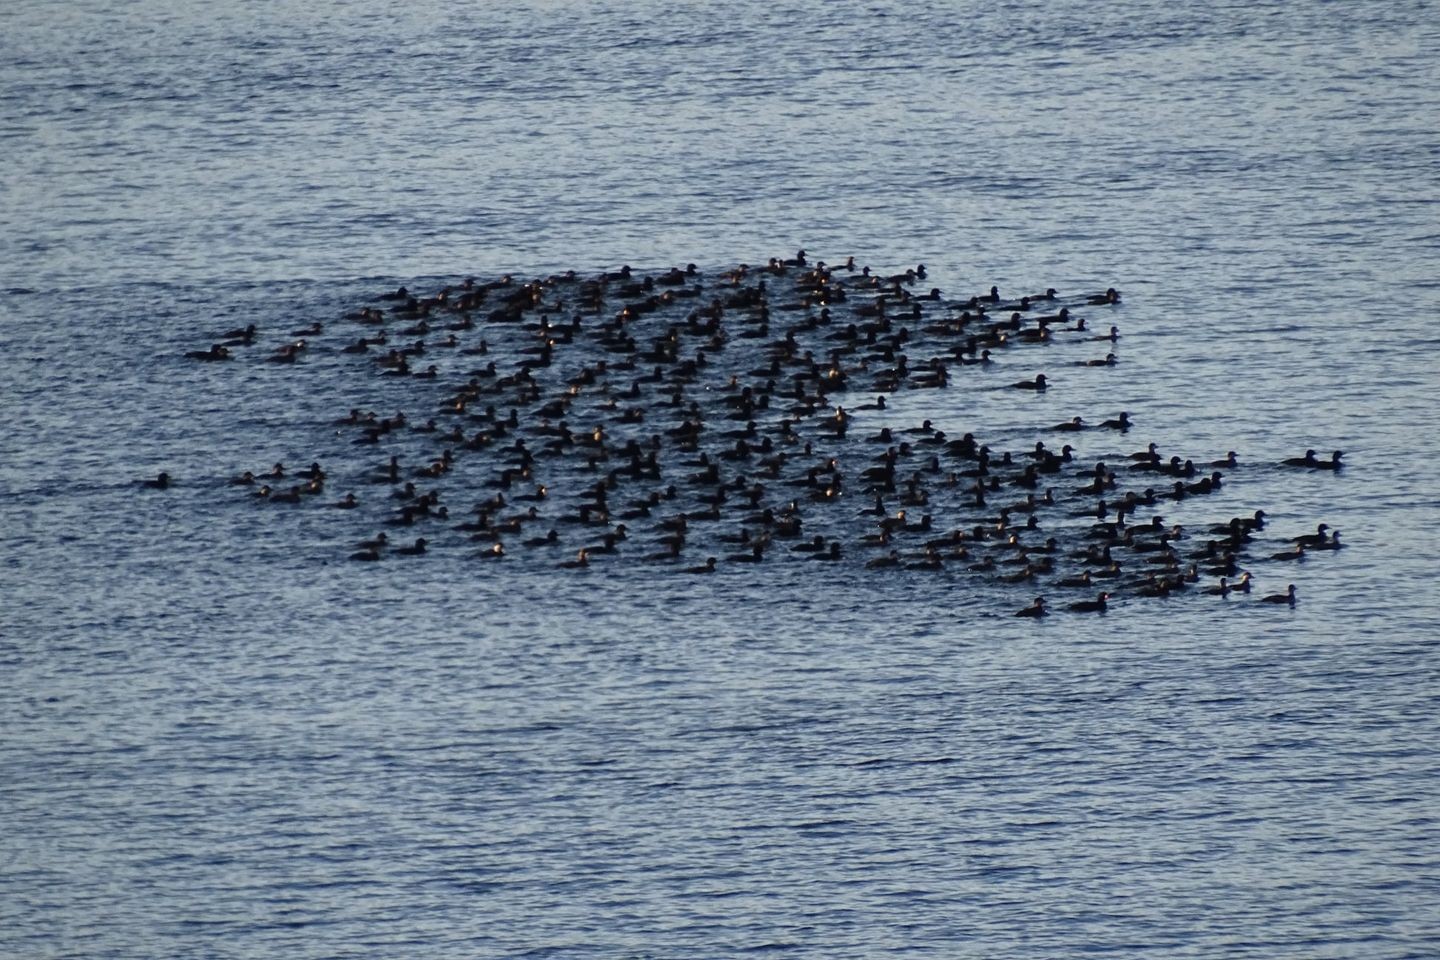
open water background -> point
(218, 741)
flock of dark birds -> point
(693, 422)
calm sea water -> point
(223, 740)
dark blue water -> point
(223, 739)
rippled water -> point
(223, 740)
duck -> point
(1319, 538)
(1149, 455)
(1036, 609)
(755, 555)
(928, 560)
(414, 550)
(892, 559)
(288, 353)
(1024, 575)
(1287, 597)
(1310, 460)
(1222, 589)
(816, 545)
(707, 567)
(380, 541)
(1120, 422)
(1097, 605)
(161, 482)
(1039, 383)
(609, 540)
(1255, 521)
(217, 351)
(550, 539)
(241, 336)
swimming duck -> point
(378, 543)
(1287, 597)
(550, 539)
(817, 545)
(1091, 606)
(240, 336)
(1310, 461)
(929, 559)
(1317, 539)
(756, 555)
(1222, 589)
(1036, 609)
(217, 351)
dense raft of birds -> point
(693, 422)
